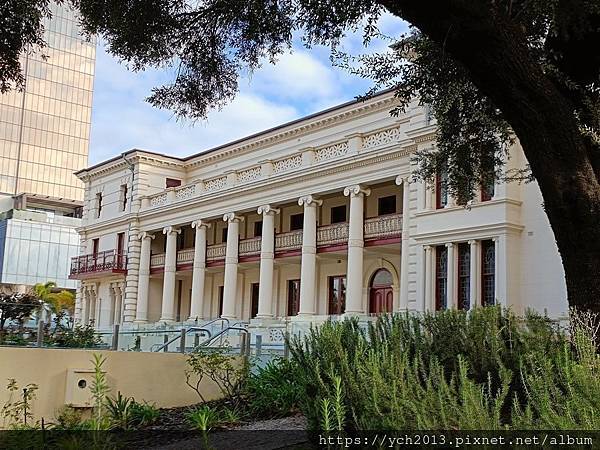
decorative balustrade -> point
(216, 251)
(383, 226)
(288, 163)
(332, 234)
(101, 262)
(335, 234)
(288, 241)
(250, 246)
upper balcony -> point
(377, 231)
(104, 263)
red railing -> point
(108, 260)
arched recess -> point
(370, 271)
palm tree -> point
(55, 302)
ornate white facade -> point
(319, 216)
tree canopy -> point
(489, 69)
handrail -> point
(170, 341)
(222, 332)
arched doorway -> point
(381, 294)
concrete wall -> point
(153, 377)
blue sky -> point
(301, 83)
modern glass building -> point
(44, 139)
(45, 129)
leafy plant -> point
(203, 418)
(227, 372)
(68, 418)
(272, 391)
(17, 410)
(142, 414)
(100, 390)
(80, 336)
(119, 411)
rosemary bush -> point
(487, 369)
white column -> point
(198, 271)
(451, 286)
(118, 296)
(354, 272)
(405, 246)
(267, 255)
(500, 270)
(168, 300)
(95, 306)
(141, 311)
(308, 269)
(85, 306)
(429, 300)
(429, 195)
(421, 193)
(231, 265)
(474, 275)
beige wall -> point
(153, 377)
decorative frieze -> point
(283, 165)
(384, 137)
(331, 152)
(247, 175)
(215, 184)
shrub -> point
(118, 411)
(486, 369)
(273, 390)
(142, 414)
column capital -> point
(200, 224)
(403, 179)
(171, 229)
(427, 247)
(232, 217)
(472, 241)
(145, 235)
(449, 245)
(356, 190)
(309, 200)
(267, 210)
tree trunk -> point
(493, 49)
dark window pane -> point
(258, 228)
(441, 190)
(224, 235)
(296, 221)
(386, 205)
(338, 214)
(488, 272)
(464, 276)
(441, 277)
(172, 182)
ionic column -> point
(168, 300)
(308, 268)
(429, 301)
(405, 248)
(141, 311)
(354, 273)
(451, 294)
(85, 306)
(500, 277)
(231, 265)
(267, 254)
(198, 271)
(474, 274)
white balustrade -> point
(332, 234)
(250, 246)
(383, 226)
(379, 138)
(216, 251)
(288, 241)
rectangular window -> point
(338, 214)
(488, 190)
(95, 246)
(254, 300)
(293, 306)
(296, 221)
(123, 197)
(220, 307)
(224, 235)
(386, 205)
(441, 190)
(488, 272)
(172, 182)
(257, 229)
(98, 204)
(337, 295)
(464, 275)
(441, 277)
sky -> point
(301, 83)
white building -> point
(315, 217)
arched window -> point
(382, 278)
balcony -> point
(379, 230)
(99, 264)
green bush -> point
(142, 414)
(273, 390)
(486, 369)
(203, 418)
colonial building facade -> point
(314, 218)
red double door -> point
(381, 299)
